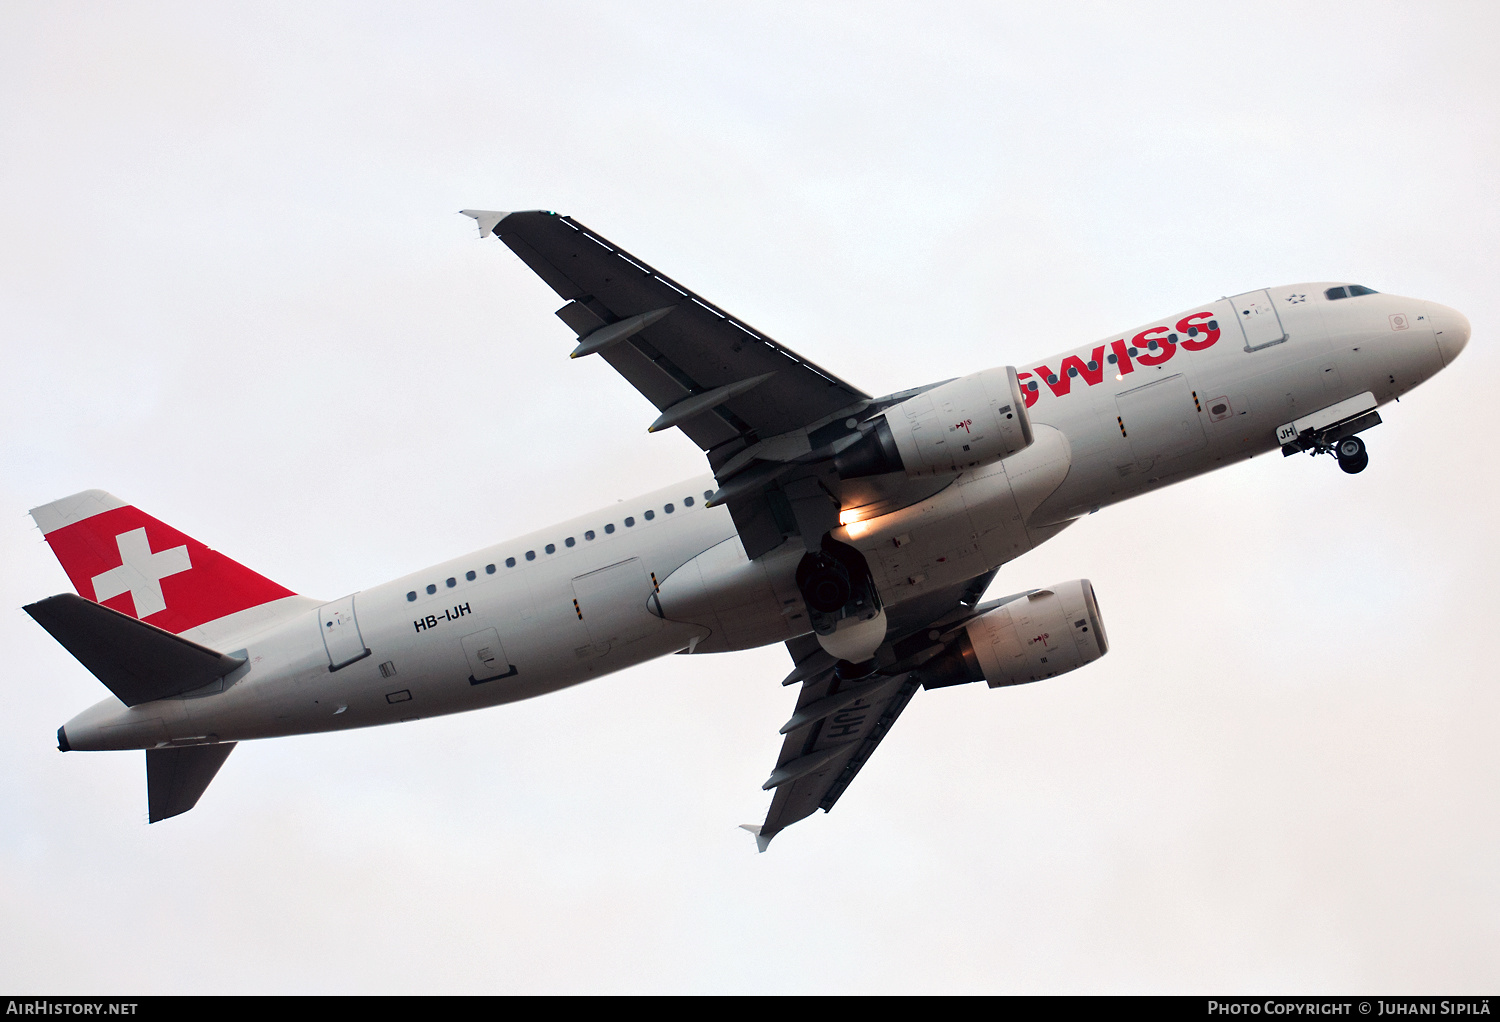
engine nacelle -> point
(1039, 635)
(974, 420)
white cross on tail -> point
(140, 573)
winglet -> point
(762, 841)
(488, 219)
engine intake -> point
(964, 423)
(1027, 638)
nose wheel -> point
(1351, 454)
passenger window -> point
(411, 597)
(1133, 350)
(1112, 359)
(609, 528)
(589, 535)
(630, 523)
(551, 548)
(1093, 365)
(1355, 290)
(510, 562)
(431, 590)
(650, 515)
(489, 569)
(1072, 370)
(531, 555)
(1334, 293)
(668, 509)
(708, 494)
(687, 501)
(568, 541)
(470, 576)
(452, 582)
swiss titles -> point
(1153, 346)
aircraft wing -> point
(837, 725)
(749, 403)
(722, 382)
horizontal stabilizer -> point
(177, 778)
(136, 661)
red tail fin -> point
(120, 556)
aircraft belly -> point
(1000, 527)
(739, 603)
(980, 522)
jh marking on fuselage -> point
(431, 620)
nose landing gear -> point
(1330, 431)
(1347, 449)
(1351, 454)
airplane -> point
(862, 532)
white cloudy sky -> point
(234, 290)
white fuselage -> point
(595, 594)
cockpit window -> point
(1336, 292)
(1352, 291)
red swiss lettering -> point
(1079, 367)
(1143, 340)
(1205, 334)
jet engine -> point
(1028, 637)
(973, 420)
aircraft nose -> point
(1451, 328)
